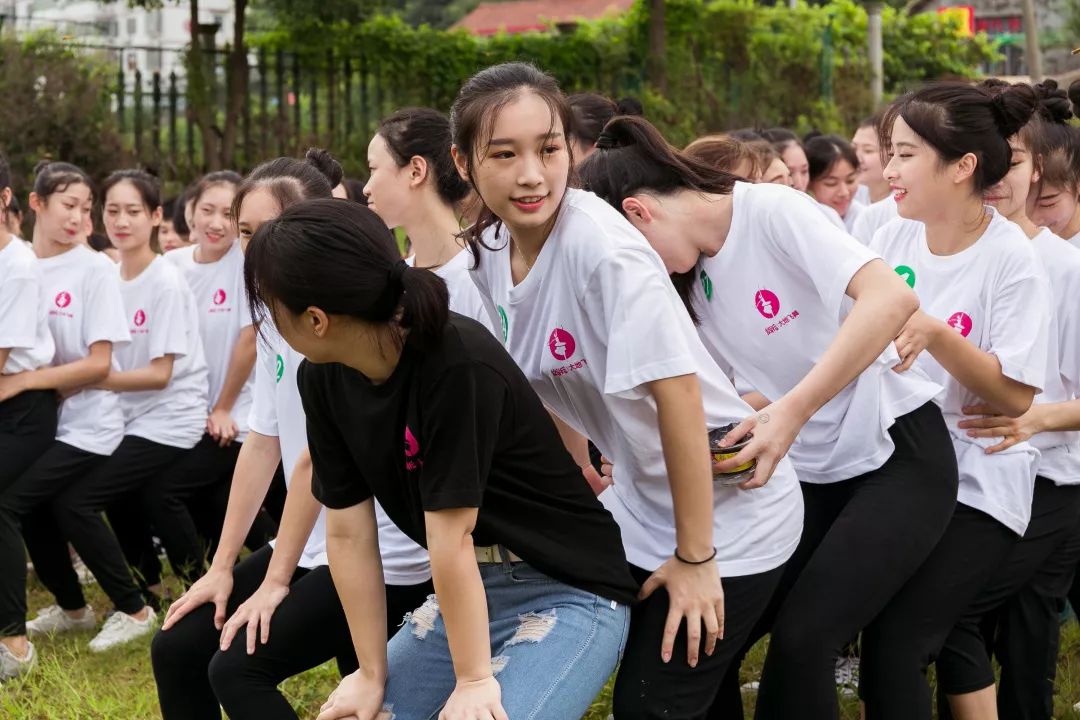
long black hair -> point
(632, 157)
(340, 257)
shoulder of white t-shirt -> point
(832, 215)
(897, 229)
(1061, 258)
(182, 255)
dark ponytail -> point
(340, 257)
(956, 118)
(423, 132)
(632, 157)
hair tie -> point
(397, 271)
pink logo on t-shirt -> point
(961, 323)
(219, 297)
(412, 451)
(140, 318)
(63, 299)
(561, 344)
(767, 303)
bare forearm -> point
(87, 371)
(240, 365)
(576, 443)
(1057, 417)
(686, 454)
(463, 604)
(297, 520)
(873, 323)
(151, 377)
(255, 468)
(980, 372)
(4, 354)
(356, 567)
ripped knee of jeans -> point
(423, 618)
(533, 627)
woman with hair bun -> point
(982, 333)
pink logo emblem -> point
(63, 299)
(561, 344)
(767, 303)
(140, 318)
(961, 323)
(412, 451)
(219, 297)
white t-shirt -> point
(771, 303)
(996, 295)
(278, 412)
(85, 307)
(594, 321)
(862, 195)
(873, 218)
(1075, 240)
(163, 321)
(24, 310)
(1060, 451)
(854, 212)
(223, 307)
(464, 297)
(831, 215)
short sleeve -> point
(825, 253)
(1069, 342)
(635, 308)
(263, 418)
(459, 431)
(863, 229)
(20, 299)
(170, 330)
(336, 482)
(1019, 329)
(104, 318)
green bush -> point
(731, 63)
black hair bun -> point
(1054, 105)
(1014, 107)
(325, 163)
(629, 106)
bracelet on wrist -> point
(695, 562)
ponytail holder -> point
(397, 271)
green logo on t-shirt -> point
(907, 274)
(280, 367)
(706, 285)
(504, 322)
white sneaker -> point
(13, 667)
(85, 576)
(847, 675)
(53, 620)
(121, 628)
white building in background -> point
(148, 40)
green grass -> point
(71, 683)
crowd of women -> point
(623, 409)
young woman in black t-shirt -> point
(530, 613)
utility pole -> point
(1032, 53)
(876, 51)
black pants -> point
(862, 539)
(647, 687)
(309, 627)
(1044, 561)
(901, 643)
(25, 505)
(27, 429)
(77, 512)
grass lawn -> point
(71, 683)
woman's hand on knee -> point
(255, 614)
(357, 697)
(695, 593)
(475, 700)
(214, 587)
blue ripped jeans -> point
(552, 648)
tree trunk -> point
(658, 47)
(1032, 53)
(877, 54)
(200, 93)
(237, 87)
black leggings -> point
(900, 644)
(309, 627)
(164, 505)
(77, 513)
(862, 539)
(647, 687)
(27, 431)
(1043, 560)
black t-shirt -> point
(460, 427)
